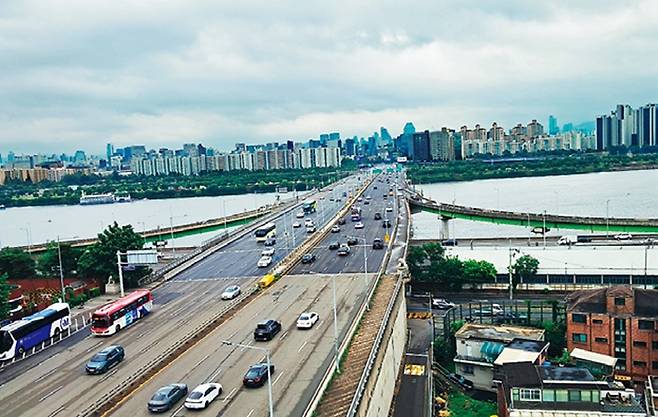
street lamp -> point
(28, 236)
(269, 375)
(333, 288)
(61, 270)
(543, 232)
(607, 218)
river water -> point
(23, 225)
(626, 194)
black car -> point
(266, 330)
(341, 221)
(366, 202)
(334, 245)
(105, 359)
(256, 376)
(378, 216)
(386, 224)
(308, 258)
(378, 244)
(351, 241)
(166, 397)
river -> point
(626, 194)
(27, 225)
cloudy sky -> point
(79, 73)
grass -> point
(462, 405)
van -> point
(266, 281)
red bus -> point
(121, 313)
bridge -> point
(539, 220)
(359, 298)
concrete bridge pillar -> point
(444, 232)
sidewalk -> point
(90, 306)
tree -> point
(16, 263)
(556, 336)
(478, 272)
(100, 259)
(524, 268)
(424, 261)
(48, 262)
(450, 274)
(4, 297)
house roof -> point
(588, 356)
(498, 333)
(594, 301)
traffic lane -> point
(61, 383)
(210, 360)
(411, 399)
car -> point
(335, 229)
(386, 223)
(341, 221)
(374, 188)
(449, 242)
(331, 199)
(308, 223)
(203, 395)
(307, 320)
(310, 229)
(368, 197)
(257, 376)
(344, 193)
(512, 317)
(296, 225)
(270, 241)
(378, 244)
(308, 258)
(461, 381)
(105, 359)
(360, 199)
(300, 214)
(268, 252)
(231, 292)
(378, 216)
(166, 397)
(442, 303)
(343, 250)
(334, 245)
(389, 209)
(623, 236)
(264, 261)
(351, 241)
(266, 330)
(488, 311)
(366, 202)
(358, 225)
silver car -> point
(231, 292)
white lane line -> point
(233, 335)
(283, 336)
(229, 395)
(302, 347)
(93, 347)
(51, 393)
(213, 376)
(54, 413)
(247, 346)
(201, 361)
(46, 375)
(250, 413)
(277, 378)
(177, 410)
(320, 323)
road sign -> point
(142, 257)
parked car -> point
(461, 381)
(202, 396)
(166, 397)
(231, 292)
(623, 236)
(511, 317)
(344, 250)
(487, 311)
(351, 241)
(378, 244)
(264, 261)
(296, 225)
(334, 245)
(270, 241)
(358, 225)
(105, 359)
(335, 229)
(442, 303)
(266, 330)
(307, 320)
(268, 252)
(256, 376)
(308, 258)
(378, 216)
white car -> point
(231, 292)
(335, 229)
(203, 395)
(264, 261)
(268, 252)
(308, 223)
(296, 225)
(389, 209)
(300, 214)
(623, 236)
(358, 225)
(307, 320)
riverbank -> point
(480, 169)
(69, 191)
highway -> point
(54, 382)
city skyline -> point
(126, 73)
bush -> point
(94, 292)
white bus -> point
(265, 232)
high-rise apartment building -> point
(442, 145)
(420, 146)
(553, 128)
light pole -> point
(607, 218)
(171, 229)
(543, 232)
(61, 271)
(120, 267)
(28, 237)
(512, 252)
(269, 374)
(333, 290)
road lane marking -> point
(51, 393)
(247, 346)
(283, 336)
(302, 346)
(250, 413)
(54, 413)
(229, 395)
(201, 361)
(44, 376)
(94, 346)
(277, 378)
(216, 374)
(109, 375)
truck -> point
(568, 240)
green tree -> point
(48, 262)
(556, 336)
(524, 268)
(4, 297)
(449, 274)
(424, 261)
(100, 259)
(16, 263)
(478, 272)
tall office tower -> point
(420, 146)
(553, 128)
(386, 137)
(647, 125)
(350, 145)
(324, 138)
(109, 151)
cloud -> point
(76, 74)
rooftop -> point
(594, 301)
(498, 333)
(594, 357)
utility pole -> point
(511, 281)
(120, 272)
(543, 232)
(61, 271)
(607, 218)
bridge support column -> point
(444, 231)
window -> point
(601, 339)
(640, 364)
(597, 321)
(620, 301)
(639, 344)
(579, 318)
(654, 365)
(515, 394)
(645, 324)
(574, 395)
(596, 396)
(467, 369)
(586, 396)
(549, 395)
(621, 364)
(561, 395)
(579, 338)
(654, 345)
(530, 394)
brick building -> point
(618, 321)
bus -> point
(121, 313)
(265, 232)
(22, 335)
(310, 206)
